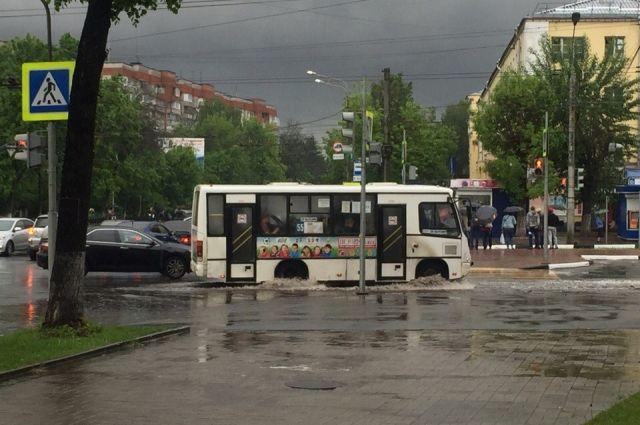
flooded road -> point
(487, 350)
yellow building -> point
(609, 26)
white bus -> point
(255, 233)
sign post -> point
(46, 94)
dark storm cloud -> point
(446, 47)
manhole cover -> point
(312, 384)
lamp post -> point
(571, 159)
(336, 82)
(52, 160)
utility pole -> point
(386, 152)
(571, 159)
(362, 289)
(404, 156)
(52, 161)
(545, 147)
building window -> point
(561, 48)
(187, 97)
(613, 46)
(176, 92)
(160, 90)
(176, 106)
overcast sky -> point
(262, 48)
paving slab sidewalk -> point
(529, 258)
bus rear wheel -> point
(427, 268)
(292, 270)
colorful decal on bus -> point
(314, 247)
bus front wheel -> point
(292, 270)
(428, 268)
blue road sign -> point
(46, 90)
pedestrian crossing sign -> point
(46, 90)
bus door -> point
(241, 243)
(392, 235)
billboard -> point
(197, 144)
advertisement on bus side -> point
(313, 247)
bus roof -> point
(310, 188)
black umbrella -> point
(486, 213)
(514, 209)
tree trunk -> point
(67, 277)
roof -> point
(324, 189)
(594, 8)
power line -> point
(236, 21)
(341, 43)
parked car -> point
(35, 233)
(181, 230)
(14, 234)
(118, 249)
(151, 228)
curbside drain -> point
(312, 384)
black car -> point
(152, 228)
(117, 249)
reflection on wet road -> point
(505, 352)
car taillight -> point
(185, 240)
(199, 250)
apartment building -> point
(610, 26)
(174, 100)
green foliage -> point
(19, 185)
(30, 346)
(236, 152)
(301, 156)
(510, 124)
(430, 144)
(134, 9)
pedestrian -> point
(509, 229)
(475, 232)
(533, 225)
(599, 227)
(554, 223)
(487, 228)
(540, 233)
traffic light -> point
(375, 153)
(413, 172)
(538, 167)
(28, 149)
(579, 178)
(347, 131)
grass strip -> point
(25, 347)
(624, 412)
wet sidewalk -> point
(523, 258)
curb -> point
(577, 246)
(14, 373)
(573, 265)
(610, 257)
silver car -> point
(35, 233)
(14, 234)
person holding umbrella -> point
(486, 214)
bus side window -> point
(273, 215)
(215, 215)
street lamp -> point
(336, 82)
(571, 160)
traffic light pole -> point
(571, 159)
(545, 228)
(362, 288)
(386, 158)
(52, 161)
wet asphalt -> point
(603, 296)
(487, 350)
